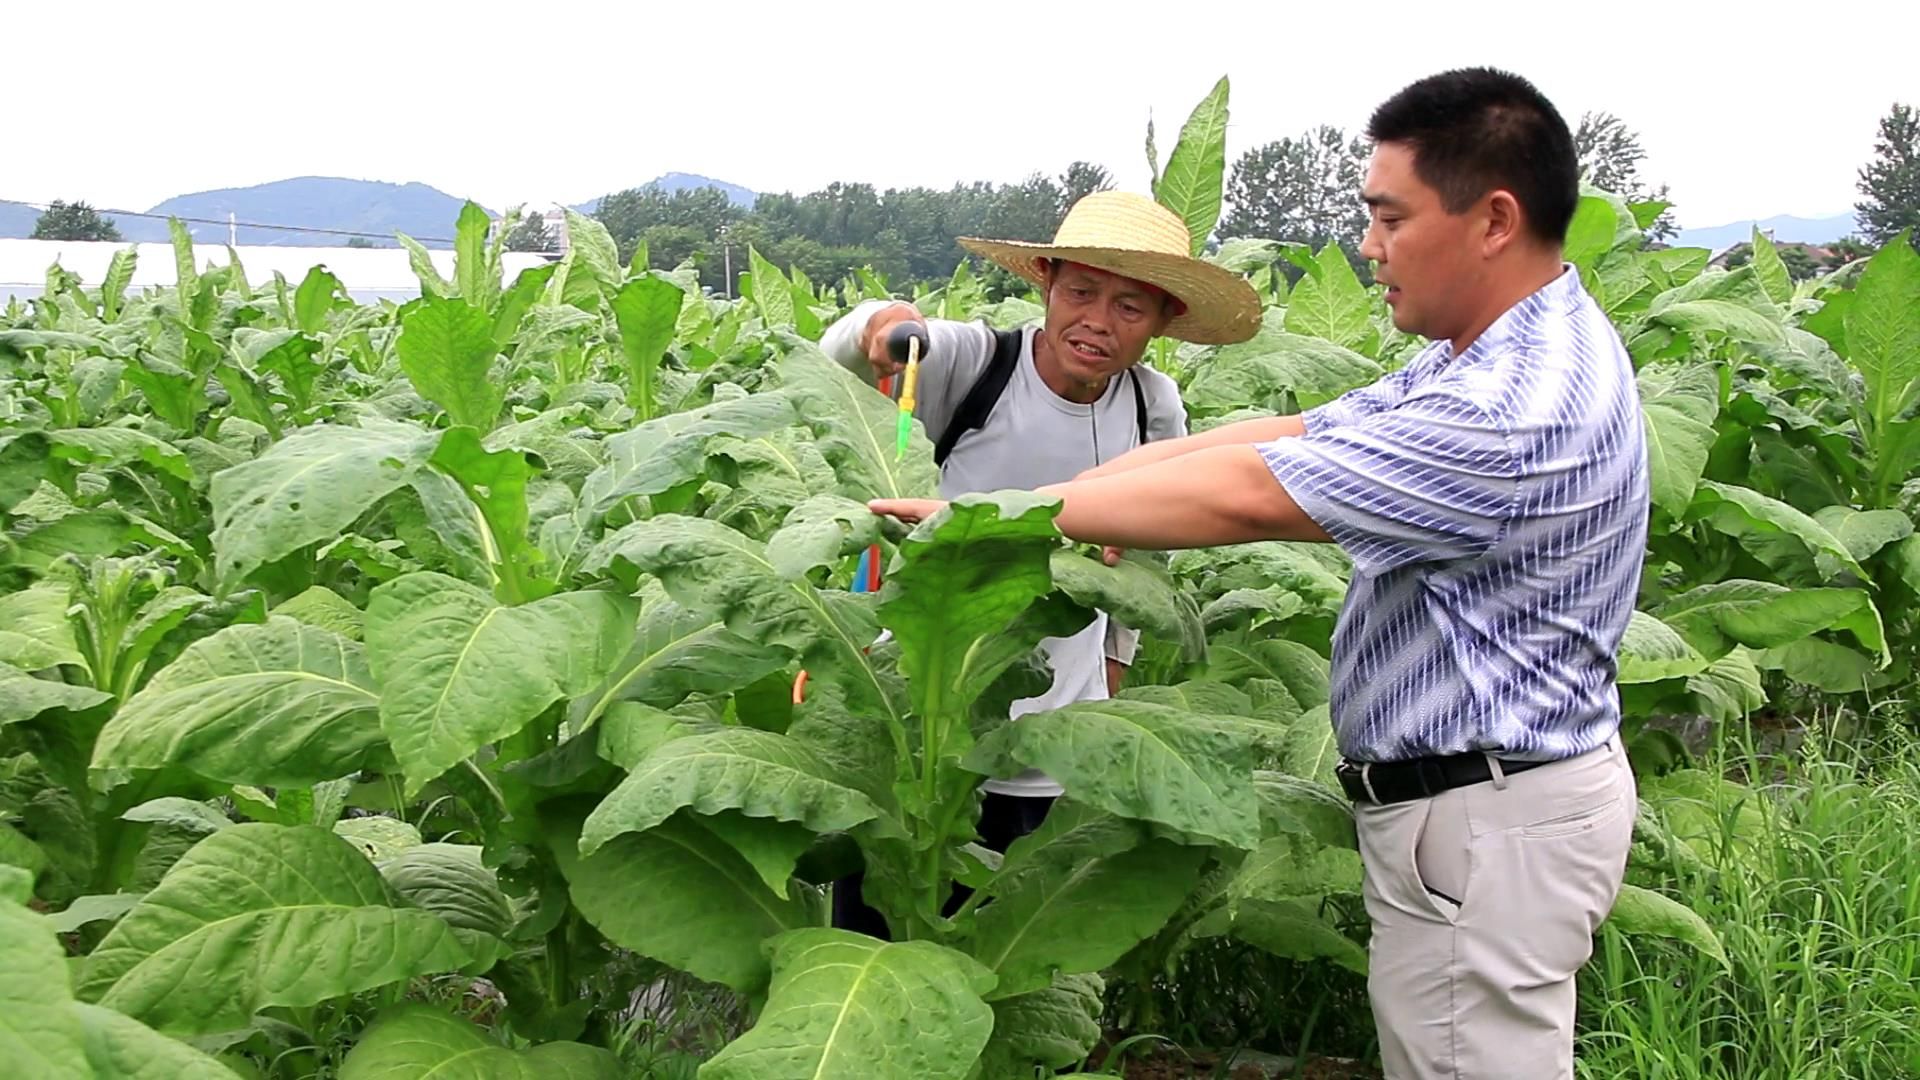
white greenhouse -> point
(369, 274)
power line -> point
(244, 224)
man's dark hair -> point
(1476, 129)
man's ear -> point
(1047, 268)
(1505, 221)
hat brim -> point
(1222, 307)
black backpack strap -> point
(1139, 407)
(983, 394)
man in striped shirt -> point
(1493, 497)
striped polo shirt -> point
(1495, 507)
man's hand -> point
(873, 341)
(911, 511)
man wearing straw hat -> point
(1042, 404)
(1493, 497)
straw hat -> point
(1134, 236)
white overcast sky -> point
(1744, 113)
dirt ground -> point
(1165, 1063)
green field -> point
(400, 686)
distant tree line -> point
(1302, 189)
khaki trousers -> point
(1484, 900)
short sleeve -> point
(1430, 480)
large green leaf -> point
(46, 1033)
(1289, 866)
(278, 704)
(1883, 332)
(23, 461)
(772, 847)
(770, 291)
(315, 297)
(1051, 1028)
(1313, 368)
(118, 447)
(678, 652)
(1768, 267)
(1729, 689)
(1590, 234)
(1075, 895)
(1332, 305)
(451, 881)
(1715, 316)
(1192, 774)
(1679, 406)
(819, 532)
(713, 569)
(1776, 533)
(646, 310)
(1312, 748)
(378, 837)
(208, 946)
(1651, 651)
(1299, 568)
(1303, 807)
(470, 268)
(759, 773)
(960, 579)
(446, 348)
(857, 429)
(1864, 532)
(308, 488)
(40, 1034)
(1196, 169)
(415, 1041)
(669, 451)
(1643, 912)
(1761, 615)
(493, 483)
(1137, 593)
(421, 262)
(681, 895)
(1198, 695)
(1301, 670)
(123, 1048)
(458, 671)
(322, 607)
(844, 1006)
(23, 696)
(1291, 928)
(34, 631)
(598, 259)
(1824, 664)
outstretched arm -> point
(1245, 432)
(1216, 495)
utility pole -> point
(232, 232)
(726, 254)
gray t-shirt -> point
(1033, 437)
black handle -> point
(902, 333)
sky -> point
(1744, 115)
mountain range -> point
(319, 202)
(427, 214)
(1784, 228)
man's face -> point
(1098, 324)
(1428, 258)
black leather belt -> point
(1419, 778)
